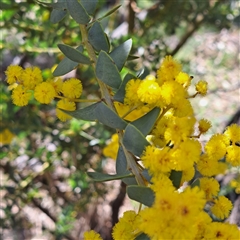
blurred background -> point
(45, 192)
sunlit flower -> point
(216, 147)
(21, 96)
(204, 125)
(233, 133)
(31, 77)
(222, 207)
(209, 166)
(131, 97)
(168, 70)
(127, 227)
(210, 186)
(13, 74)
(172, 92)
(233, 155)
(187, 153)
(184, 79)
(57, 83)
(72, 88)
(219, 230)
(148, 92)
(157, 160)
(44, 92)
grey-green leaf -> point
(74, 54)
(78, 12)
(120, 53)
(120, 94)
(57, 15)
(88, 113)
(122, 168)
(134, 141)
(97, 38)
(107, 71)
(142, 194)
(175, 177)
(65, 66)
(101, 112)
(145, 123)
(89, 5)
(102, 177)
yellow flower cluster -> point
(174, 145)
(29, 81)
(168, 90)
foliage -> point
(155, 129)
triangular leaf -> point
(146, 175)
(195, 183)
(110, 118)
(102, 177)
(120, 94)
(57, 15)
(97, 38)
(74, 54)
(120, 53)
(145, 123)
(78, 12)
(89, 5)
(176, 177)
(134, 141)
(107, 71)
(143, 73)
(88, 113)
(101, 112)
(65, 66)
(142, 194)
(132, 57)
(122, 168)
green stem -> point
(105, 94)
(103, 87)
